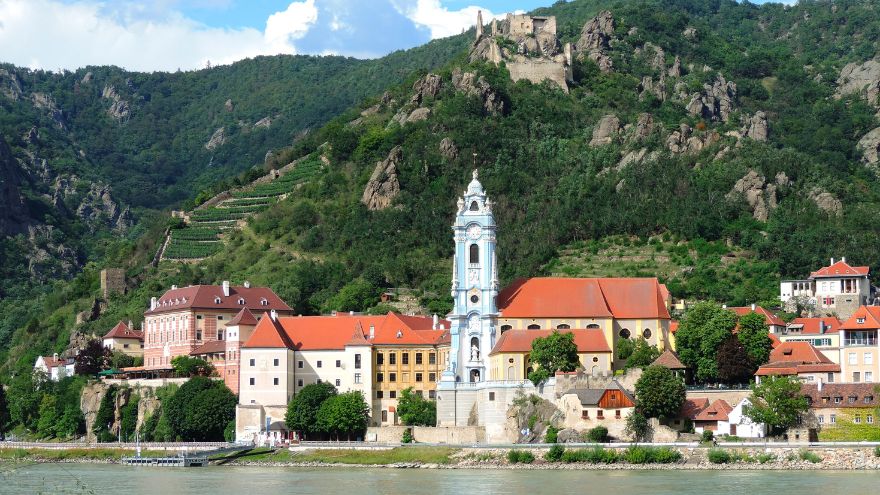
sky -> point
(167, 35)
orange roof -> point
(769, 318)
(673, 326)
(335, 332)
(717, 411)
(583, 297)
(121, 331)
(244, 317)
(669, 360)
(775, 340)
(815, 325)
(840, 269)
(206, 297)
(870, 316)
(691, 407)
(587, 340)
(792, 358)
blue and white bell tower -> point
(474, 287)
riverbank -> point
(431, 457)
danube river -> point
(102, 478)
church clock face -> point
(474, 231)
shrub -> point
(876, 451)
(765, 458)
(666, 455)
(520, 457)
(719, 456)
(644, 455)
(550, 434)
(596, 455)
(598, 434)
(708, 436)
(555, 453)
(407, 436)
(807, 455)
(637, 455)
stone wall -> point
(733, 397)
(429, 434)
(112, 281)
(538, 71)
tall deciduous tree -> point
(200, 410)
(5, 418)
(415, 410)
(659, 393)
(755, 337)
(701, 332)
(92, 359)
(344, 414)
(734, 363)
(642, 355)
(777, 402)
(555, 352)
(302, 411)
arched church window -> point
(592, 325)
(646, 333)
(563, 326)
(474, 206)
(474, 254)
(534, 327)
(624, 334)
(505, 328)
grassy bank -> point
(60, 455)
(423, 455)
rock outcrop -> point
(760, 195)
(418, 115)
(675, 70)
(684, 140)
(119, 109)
(14, 217)
(656, 88)
(756, 127)
(715, 102)
(644, 126)
(10, 86)
(384, 184)
(595, 40)
(826, 201)
(98, 206)
(607, 131)
(448, 149)
(862, 79)
(47, 104)
(869, 145)
(217, 140)
(264, 123)
(228, 106)
(470, 84)
(426, 87)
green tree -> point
(344, 415)
(357, 295)
(119, 359)
(102, 427)
(415, 410)
(25, 395)
(637, 426)
(92, 358)
(199, 410)
(128, 417)
(702, 330)
(71, 423)
(48, 416)
(5, 417)
(624, 348)
(555, 352)
(659, 393)
(192, 366)
(777, 402)
(642, 355)
(302, 411)
(734, 364)
(755, 337)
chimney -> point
(55, 356)
(130, 326)
(723, 306)
(442, 326)
(821, 328)
(247, 285)
(832, 261)
(351, 313)
(435, 321)
(152, 303)
(274, 315)
(226, 288)
(819, 385)
(843, 259)
(753, 306)
(372, 332)
(173, 287)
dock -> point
(198, 459)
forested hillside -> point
(721, 142)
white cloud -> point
(441, 21)
(51, 34)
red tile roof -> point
(812, 326)
(792, 358)
(586, 340)
(51, 362)
(206, 297)
(840, 269)
(769, 318)
(692, 407)
(121, 331)
(871, 315)
(335, 332)
(669, 360)
(210, 347)
(717, 411)
(583, 297)
(673, 326)
(775, 340)
(244, 317)
(859, 391)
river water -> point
(102, 478)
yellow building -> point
(509, 359)
(122, 338)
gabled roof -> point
(210, 347)
(769, 318)
(691, 407)
(792, 358)
(121, 331)
(269, 334)
(592, 396)
(586, 340)
(813, 326)
(51, 362)
(207, 296)
(859, 391)
(335, 332)
(840, 269)
(717, 411)
(562, 297)
(244, 317)
(870, 316)
(669, 360)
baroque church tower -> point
(474, 287)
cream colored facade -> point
(515, 365)
(267, 377)
(418, 367)
(129, 347)
(858, 363)
(828, 344)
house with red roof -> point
(509, 359)
(55, 367)
(773, 322)
(833, 405)
(125, 339)
(800, 359)
(377, 355)
(621, 308)
(721, 418)
(822, 333)
(834, 290)
(859, 351)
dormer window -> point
(264, 302)
(216, 300)
(860, 320)
(399, 334)
(240, 300)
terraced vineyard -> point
(201, 235)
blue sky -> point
(153, 35)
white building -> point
(837, 289)
(54, 367)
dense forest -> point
(730, 209)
